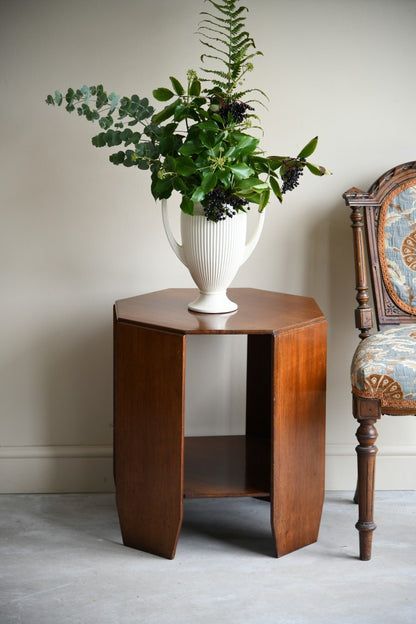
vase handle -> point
(249, 248)
(178, 249)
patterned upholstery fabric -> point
(398, 249)
(384, 367)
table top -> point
(259, 312)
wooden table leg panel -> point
(148, 410)
(298, 439)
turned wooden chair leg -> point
(355, 499)
(366, 459)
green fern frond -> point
(226, 7)
(216, 72)
(207, 28)
(237, 12)
(242, 95)
(216, 83)
(212, 47)
(211, 56)
(223, 31)
(216, 23)
(242, 37)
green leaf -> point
(198, 195)
(230, 152)
(224, 176)
(209, 181)
(241, 170)
(126, 134)
(309, 148)
(195, 88)
(162, 189)
(58, 98)
(131, 159)
(246, 141)
(167, 145)
(162, 94)
(317, 169)
(106, 122)
(190, 147)
(135, 138)
(264, 200)
(117, 158)
(276, 161)
(100, 140)
(208, 125)
(185, 166)
(69, 95)
(181, 112)
(179, 185)
(261, 165)
(187, 205)
(276, 188)
(209, 139)
(252, 198)
(169, 164)
(101, 99)
(178, 88)
(50, 100)
(251, 183)
(113, 138)
(167, 112)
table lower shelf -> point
(217, 466)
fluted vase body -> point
(213, 252)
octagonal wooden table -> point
(282, 454)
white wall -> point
(78, 233)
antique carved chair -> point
(383, 370)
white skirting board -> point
(55, 469)
(395, 467)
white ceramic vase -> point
(213, 253)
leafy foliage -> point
(198, 143)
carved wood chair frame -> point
(367, 213)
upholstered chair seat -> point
(384, 367)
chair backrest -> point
(384, 221)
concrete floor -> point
(62, 562)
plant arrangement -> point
(201, 143)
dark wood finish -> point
(365, 211)
(368, 204)
(298, 438)
(218, 466)
(364, 313)
(260, 312)
(367, 412)
(282, 454)
(149, 390)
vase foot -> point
(212, 303)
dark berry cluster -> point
(218, 205)
(237, 110)
(291, 176)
